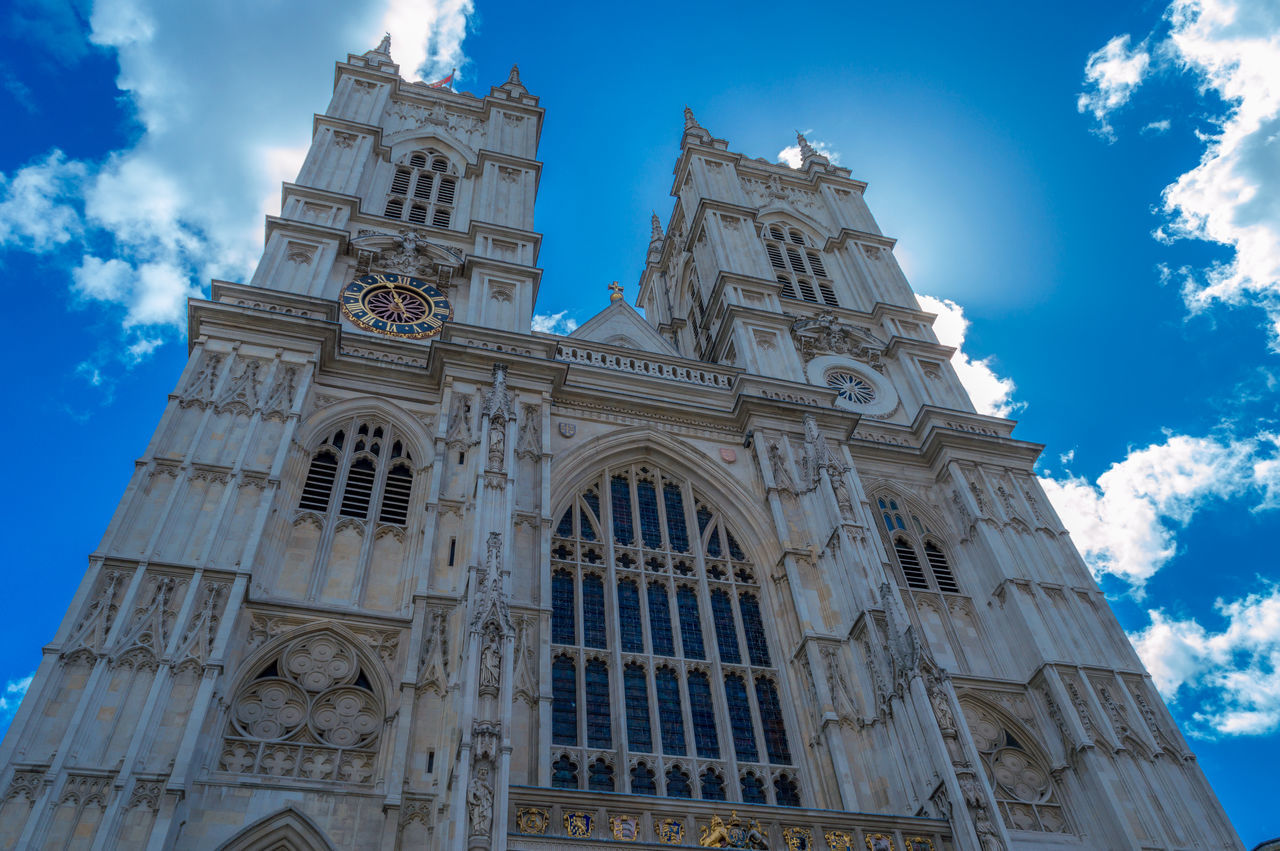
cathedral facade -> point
(742, 568)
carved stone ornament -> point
(839, 840)
(734, 833)
(578, 824)
(669, 831)
(406, 253)
(782, 478)
(433, 665)
(879, 842)
(798, 838)
(529, 438)
(919, 843)
(568, 429)
(827, 335)
(625, 828)
(533, 820)
(485, 738)
(459, 435)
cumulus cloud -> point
(1125, 523)
(1231, 49)
(38, 209)
(791, 155)
(990, 393)
(11, 695)
(1233, 673)
(219, 126)
(554, 323)
(1111, 74)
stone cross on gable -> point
(615, 292)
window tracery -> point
(371, 475)
(309, 711)
(1025, 792)
(684, 629)
(908, 540)
(424, 187)
(798, 267)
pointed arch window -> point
(908, 539)
(797, 266)
(564, 773)
(600, 776)
(1024, 788)
(354, 479)
(682, 630)
(420, 192)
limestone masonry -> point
(742, 568)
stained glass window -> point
(650, 530)
(690, 628)
(562, 615)
(593, 630)
(677, 533)
(757, 645)
(592, 499)
(787, 792)
(565, 529)
(599, 733)
(775, 734)
(642, 781)
(669, 716)
(753, 790)
(713, 543)
(600, 776)
(564, 773)
(660, 621)
(636, 691)
(620, 504)
(744, 737)
(735, 551)
(629, 624)
(726, 630)
(588, 532)
(564, 702)
(678, 783)
(712, 786)
(704, 716)
(704, 517)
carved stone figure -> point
(491, 659)
(480, 803)
(497, 447)
(942, 707)
(781, 469)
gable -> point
(620, 324)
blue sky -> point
(1087, 192)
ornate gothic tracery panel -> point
(307, 711)
(1024, 789)
(656, 603)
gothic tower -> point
(745, 570)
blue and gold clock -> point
(396, 305)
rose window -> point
(310, 712)
(851, 388)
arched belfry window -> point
(424, 189)
(798, 265)
(916, 547)
(656, 602)
(362, 471)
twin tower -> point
(741, 568)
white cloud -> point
(1125, 522)
(1157, 128)
(219, 126)
(37, 211)
(1111, 74)
(554, 323)
(990, 393)
(11, 695)
(1234, 673)
(1232, 50)
(791, 155)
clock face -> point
(396, 305)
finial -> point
(384, 46)
(655, 229)
(806, 150)
(514, 76)
(690, 123)
(615, 292)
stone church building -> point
(739, 568)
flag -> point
(447, 82)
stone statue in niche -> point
(491, 659)
(781, 471)
(497, 446)
(480, 802)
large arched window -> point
(797, 265)
(650, 587)
(916, 547)
(361, 471)
(423, 190)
